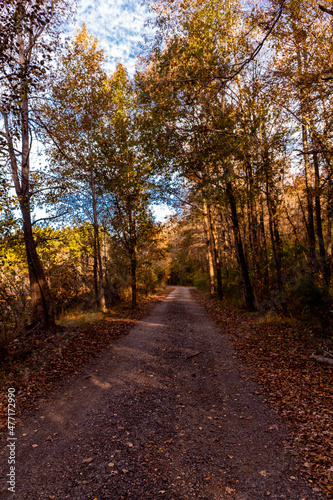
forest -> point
(228, 120)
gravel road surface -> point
(167, 412)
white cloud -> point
(119, 26)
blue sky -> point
(119, 25)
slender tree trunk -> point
(253, 230)
(98, 266)
(227, 238)
(329, 211)
(274, 233)
(302, 65)
(247, 286)
(209, 250)
(95, 271)
(320, 236)
(133, 257)
(100, 272)
(309, 199)
(216, 254)
(133, 277)
(263, 248)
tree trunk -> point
(274, 233)
(322, 251)
(133, 256)
(98, 267)
(95, 265)
(309, 199)
(41, 301)
(263, 248)
(209, 251)
(248, 290)
(133, 277)
(216, 254)
(253, 230)
(329, 211)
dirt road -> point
(166, 412)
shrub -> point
(314, 304)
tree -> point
(128, 173)
(28, 41)
(73, 120)
(197, 130)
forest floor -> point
(38, 362)
(298, 388)
(167, 411)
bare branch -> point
(324, 9)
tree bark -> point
(253, 230)
(263, 248)
(216, 254)
(247, 286)
(133, 256)
(209, 251)
(133, 277)
(98, 267)
(319, 227)
(309, 199)
(41, 301)
(274, 233)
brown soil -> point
(296, 386)
(166, 412)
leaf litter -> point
(297, 387)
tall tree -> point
(73, 118)
(128, 176)
(28, 40)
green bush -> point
(201, 282)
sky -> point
(119, 25)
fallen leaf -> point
(35, 445)
(229, 490)
(87, 460)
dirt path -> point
(166, 412)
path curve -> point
(166, 412)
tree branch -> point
(324, 9)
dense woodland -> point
(228, 119)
